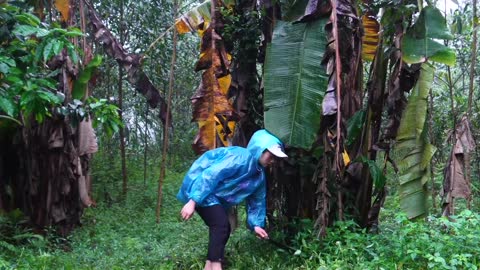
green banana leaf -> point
(355, 125)
(295, 82)
(413, 151)
(419, 43)
(80, 85)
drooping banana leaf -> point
(370, 39)
(413, 151)
(419, 43)
(212, 109)
(129, 61)
(192, 19)
(295, 82)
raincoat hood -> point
(260, 141)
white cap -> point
(277, 150)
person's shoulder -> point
(237, 153)
(238, 150)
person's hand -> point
(188, 210)
(260, 232)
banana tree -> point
(414, 152)
(55, 144)
(313, 101)
(45, 157)
(212, 109)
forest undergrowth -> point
(123, 234)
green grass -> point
(124, 235)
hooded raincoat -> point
(230, 175)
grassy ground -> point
(124, 235)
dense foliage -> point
(29, 85)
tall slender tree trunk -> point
(338, 66)
(468, 166)
(167, 121)
(449, 208)
(120, 105)
(430, 133)
(145, 146)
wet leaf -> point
(7, 106)
(295, 82)
(211, 107)
(413, 150)
(419, 43)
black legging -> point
(216, 218)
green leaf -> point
(48, 50)
(419, 44)
(74, 32)
(295, 82)
(57, 47)
(4, 68)
(39, 117)
(13, 79)
(27, 98)
(378, 177)
(72, 53)
(61, 31)
(355, 125)
(413, 151)
(50, 84)
(25, 30)
(28, 19)
(49, 97)
(39, 51)
(419, 50)
(42, 32)
(7, 106)
(431, 24)
(80, 85)
(7, 61)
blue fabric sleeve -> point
(256, 207)
(205, 183)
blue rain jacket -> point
(230, 175)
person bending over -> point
(224, 177)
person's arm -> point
(256, 211)
(188, 210)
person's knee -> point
(223, 228)
(221, 231)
